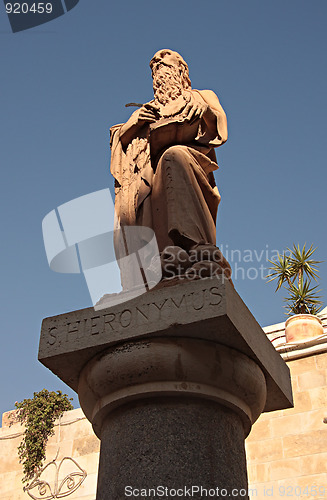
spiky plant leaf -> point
(301, 263)
(302, 299)
(295, 272)
(280, 270)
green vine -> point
(39, 415)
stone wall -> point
(75, 449)
(287, 449)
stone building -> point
(286, 450)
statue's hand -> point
(194, 109)
(148, 114)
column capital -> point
(165, 367)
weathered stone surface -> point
(287, 448)
(208, 309)
(179, 367)
(175, 444)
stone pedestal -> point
(172, 382)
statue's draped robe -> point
(165, 180)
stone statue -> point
(163, 160)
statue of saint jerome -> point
(163, 160)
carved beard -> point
(167, 85)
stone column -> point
(171, 412)
(171, 386)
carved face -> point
(166, 58)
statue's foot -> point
(202, 261)
(204, 269)
(208, 252)
(174, 261)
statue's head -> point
(169, 70)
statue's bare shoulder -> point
(211, 99)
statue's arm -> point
(129, 129)
(214, 115)
(145, 115)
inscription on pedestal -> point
(129, 315)
(207, 309)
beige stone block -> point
(263, 472)
(302, 365)
(64, 449)
(315, 484)
(319, 397)
(313, 420)
(286, 488)
(89, 462)
(71, 424)
(289, 483)
(8, 456)
(75, 414)
(309, 487)
(16, 494)
(9, 418)
(305, 444)
(310, 380)
(294, 383)
(288, 424)
(10, 481)
(286, 468)
(87, 488)
(76, 430)
(302, 403)
(260, 430)
(15, 430)
(314, 464)
(264, 490)
(271, 414)
(271, 450)
(86, 445)
(252, 473)
(57, 435)
(321, 361)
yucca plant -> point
(295, 269)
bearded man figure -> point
(163, 160)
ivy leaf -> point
(39, 415)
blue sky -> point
(63, 84)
